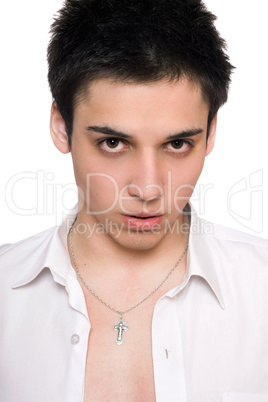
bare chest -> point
(121, 372)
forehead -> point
(135, 106)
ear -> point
(212, 135)
(58, 130)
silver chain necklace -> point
(121, 326)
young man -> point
(133, 297)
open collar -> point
(48, 250)
(51, 252)
(201, 257)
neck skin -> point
(123, 276)
(117, 260)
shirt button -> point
(75, 339)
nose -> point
(146, 181)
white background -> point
(232, 189)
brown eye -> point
(112, 143)
(177, 144)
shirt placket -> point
(168, 360)
(79, 341)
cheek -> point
(101, 192)
(194, 170)
(99, 183)
(184, 181)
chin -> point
(138, 241)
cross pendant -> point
(120, 327)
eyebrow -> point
(109, 131)
(185, 134)
(114, 133)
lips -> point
(144, 216)
(143, 222)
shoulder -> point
(228, 249)
(23, 252)
(238, 248)
(27, 245)
(22, 262)
(237, 238)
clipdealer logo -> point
(38, 193)
(47, 197)
(245, 201)
(44, 196)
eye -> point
(111, 144)
(179, 146)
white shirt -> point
(210, 334)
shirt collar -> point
(201, 257)
(53, 254)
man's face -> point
(138, 151)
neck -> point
(92, 260)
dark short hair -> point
(137, 41)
